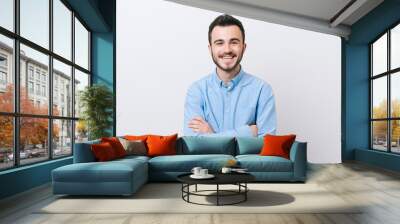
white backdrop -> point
(162, 49)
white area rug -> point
(166, 198)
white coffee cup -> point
(196, 170)
(226, 170)
(203, 172)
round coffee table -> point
(238, 179)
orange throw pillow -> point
(103, 151)
(275, 145)
(116, 145)
(161, 145)
(135, 138)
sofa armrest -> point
(83, 152)
(298, 155)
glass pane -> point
(395, 136)
(81, 45)
(6, 74)
(379, 97)
(62, 138)
(81, 131)
(33, 139)
(62, 29)
(379, 55)
(395, 94)
(6, 142)
(35, 21)
(81, 81)
(34, 81)
(395, 47)
(62, 89)
(379, 135)
(7, 14)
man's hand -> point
(199, 125)
(254, 130)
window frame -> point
(388, 74)
(15, 72)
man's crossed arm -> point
(201, 127)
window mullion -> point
(16, 84)
(389, 106)
(50, 87)
(73, 82)
(371, 98)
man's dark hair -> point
(225, 20)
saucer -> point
(208, 176)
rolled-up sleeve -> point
(193, 108)
(266, 112)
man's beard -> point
(239, 59)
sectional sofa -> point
(125, 176)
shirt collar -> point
(234, 82)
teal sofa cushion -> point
(249, 145)
(185, 163)
(197, 145)
(111, 171)
(117, 177)
(257, 163)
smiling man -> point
(229, 101)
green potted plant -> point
(96, 102)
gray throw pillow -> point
(137, 147)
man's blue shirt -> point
(231, 108)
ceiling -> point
(326, 16)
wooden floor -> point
(377, 188)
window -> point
(3, 78)
(37, 89)
(33, 149)
(3, 72)
(44, 91)
(62, 137)
(43, 77)
(37, 75)
(3, 61)
(81, 45)
(385, 91)
(45, 131)
(81, 81)
(6, 73)
(35, 21)
(30, 87)
(62, 29)
(6, 142)
(7, 14)
(62, 75)
(30, 72)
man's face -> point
(227, 47)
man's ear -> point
(244, 47)
(209, 48)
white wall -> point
(162, 49)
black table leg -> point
(217, 194)
(245, 193)
(188, 190)
(182, 190)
